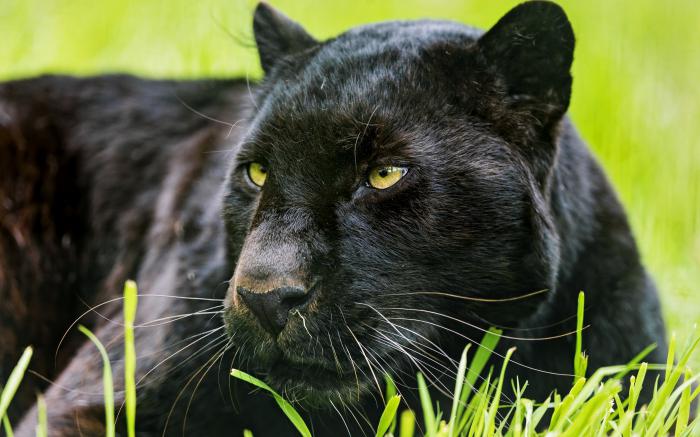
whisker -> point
(220, 355)
(359, 426)
(362, 135)
(250, 92)
(143, 295)
(207, 117)
(478, 328)
(162, 349)
(212, 344)
(470, 298)
(208, 333)
(446, 372)
(401, 348)
(363, 416)
(64, 388)
(396, 326)
(569, 375)
(182, 391)
(176, 317)
(384, 337)
(338, 366)
(347, 428)
(423, 367)
(379, 389)
(218, 370)
(167, 319)
(353, 365)
(230, 387)
(532, 328)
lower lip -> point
(304, 371)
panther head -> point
(390, 190)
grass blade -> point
(286, 407)
(483, 353)
(130, 304)
(407, 424)
(41, 423)
(7, 427)
(457, 405)
(684, 410)
(426, 405)
(493, 408)
(390, 393)
(388, 415)
(580, 358)
(8, 392)
(634, 363)
(107, 385)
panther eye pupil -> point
(383, 172)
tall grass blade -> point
(481, 357)
(41, 423)
(539, 414)
(457, 405)
(495, 403)
(7, 426)
(130, 304)
(407, 424)
(286, 407)
(635, 361)
(427, 406)
(580, 358)
(388, 416)
(107, 385)
(684, 410)
(8, 392)
(390, 393)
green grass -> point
(284, 405)
(107, 384)
(130, 304)
(593, 406)
(636, 96)
(12, 383)
(42, 424)
(580, 358)
(636, 100)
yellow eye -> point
(382, 178)
(257, 173)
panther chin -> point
(313, 385)
(304, 380)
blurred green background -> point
(636, 92)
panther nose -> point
(272, 308)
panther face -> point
(390, 187)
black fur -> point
(501, 199)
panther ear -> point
(277, 35)
(532, 49)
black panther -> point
(372, 205)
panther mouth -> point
(309, 373)
(293, 367)
(314, 383)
